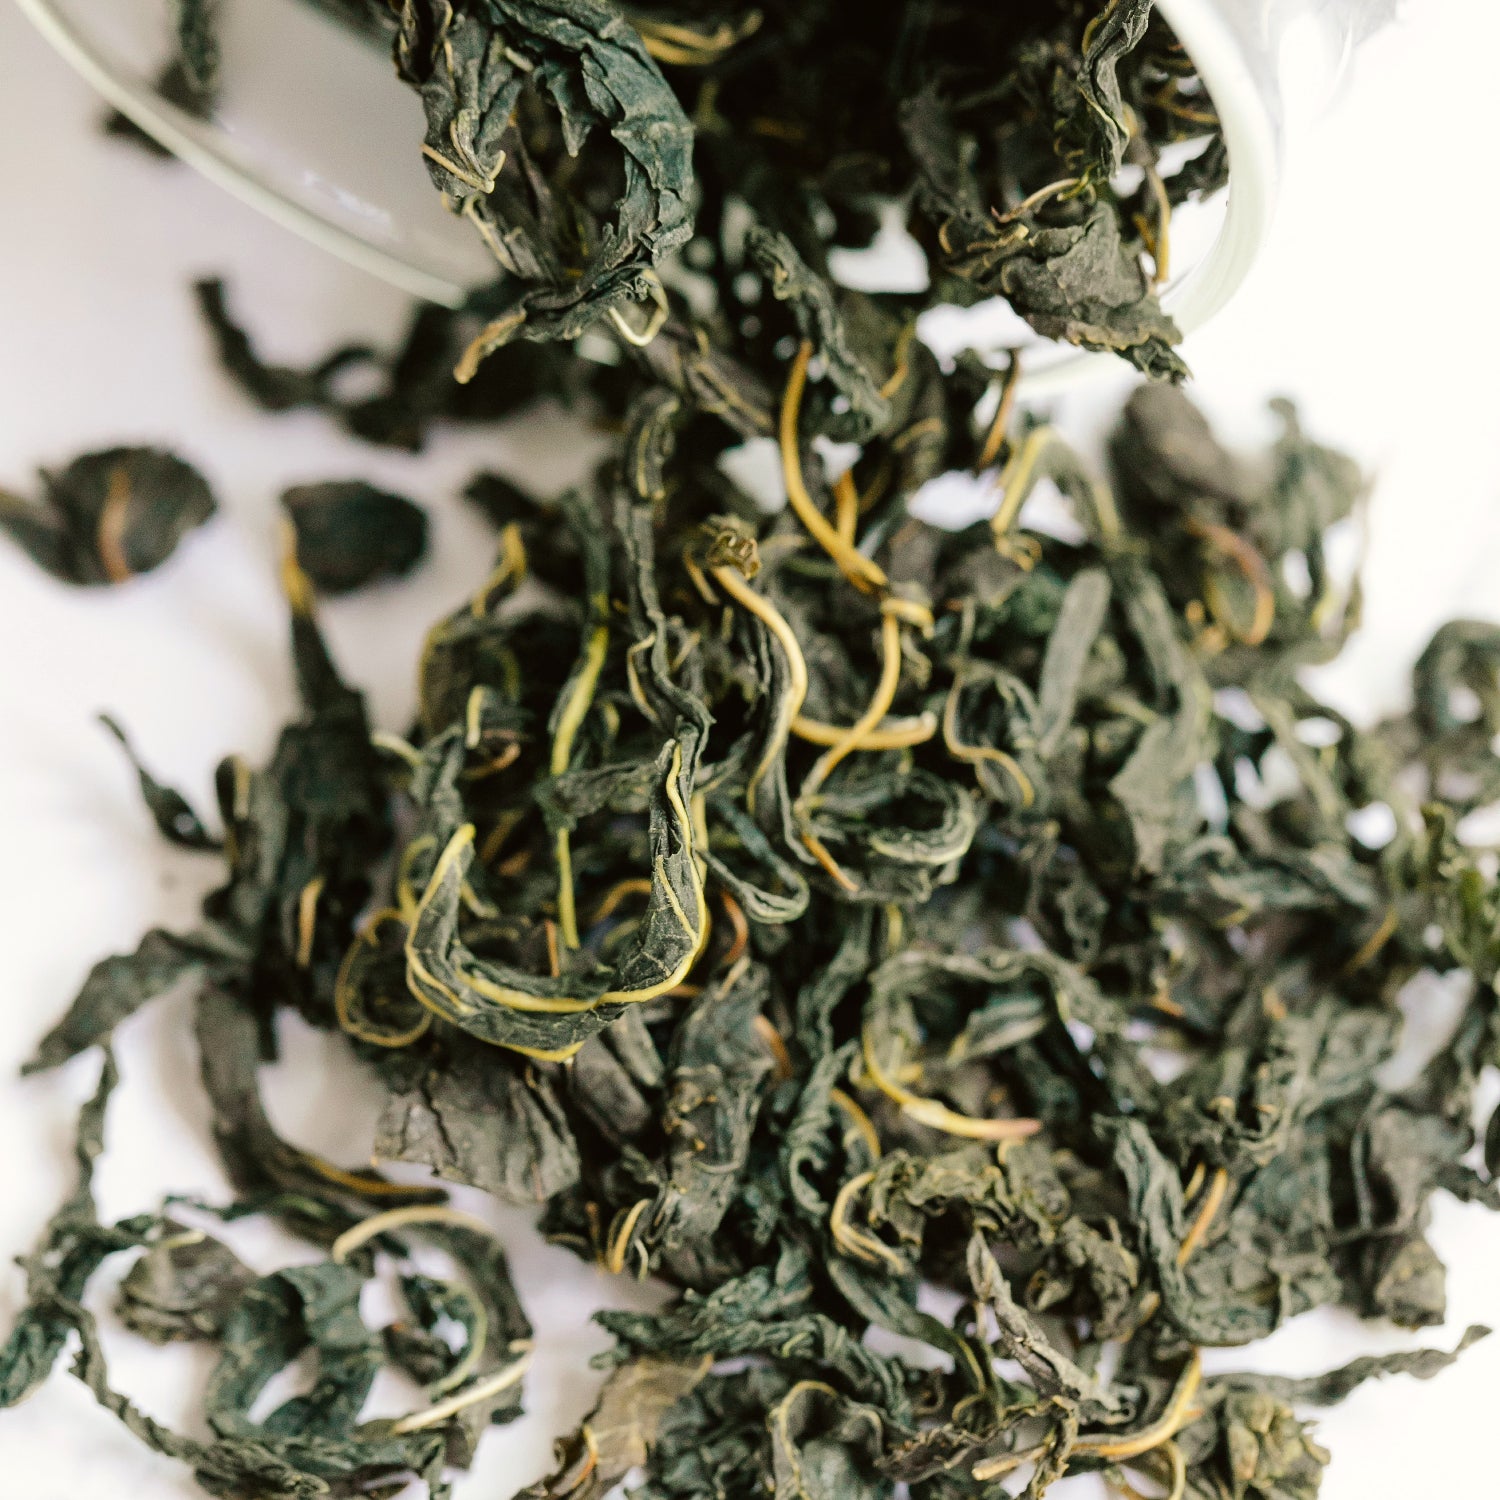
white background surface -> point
(1376, 306)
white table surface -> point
(1375, 305)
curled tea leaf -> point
(109, 516)
(350, 534)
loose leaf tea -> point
(887, 937)
(109, 515)
(171, 812)
(349, 534)
(800, 924)
(666, 179)
(413, 385)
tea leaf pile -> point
(960, 963)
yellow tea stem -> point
(858, 569)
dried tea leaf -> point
(183, 1287)
(528, 78)
(350, 534)
(472, 1117)
(110, 515)
(620, 1432)
(115, 989)
(171, 812)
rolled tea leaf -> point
(110, 515)
(350, 534)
